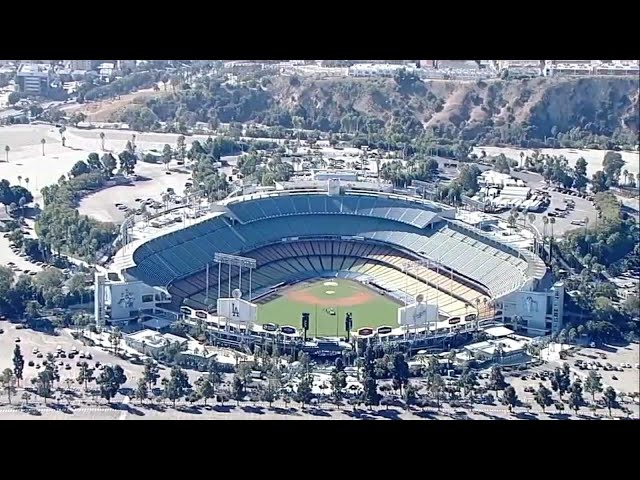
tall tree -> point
(400, 370)
(8, 381)
(609, 397)
(593, 384)
(7, 149)
(181, 148)
(304, 393)
(85, 375)
(599, 182)
(436, 386)
(612, 164)
(102, 141)
(127, 162)
(108, 163)
(167, 153)
(560, 382)
(205, 388)
(142, 392)
(510, 397)
(18, 363)
(496, 380)
(115, 337)
(468, 380)
(43, 141)
(338, 383)
(237, 389)
(339, 365)
(110, 380)
(543, 397)
(269, 393)
(176, 386)
(44, 384)
(575, 397)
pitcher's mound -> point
(330, 284)
(329, 292)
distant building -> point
(105, 70)
(83, 65)
(124, 64)
(523, 67)
(378, 69)
(428, 63)
(33, 79)
(592, 67)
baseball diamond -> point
(327, 312)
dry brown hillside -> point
(599, 105)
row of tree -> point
(60, 226)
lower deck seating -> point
(295, 261)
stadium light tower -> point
(231, 261)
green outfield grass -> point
(369, 308)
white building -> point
(120, 301)
(33, 79)
(149, 342)
(491, 178)
(534, 313)
(379, 69)
(105, 70)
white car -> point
(623, 365)
(35, 350)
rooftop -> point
(155, 339)
(33, 69)
(498, 332)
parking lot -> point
(46, 343)
(582, 208)
(624, 379)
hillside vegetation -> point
(589, 112)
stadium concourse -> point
(399, 246)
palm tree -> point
(64, 139)
(7, 149)
(19, 179)
(165, 200)
(26, 182)
(586, 224)
(43, 141)
(102, 140)
(625, 174)
(552, 220)
(133, 140)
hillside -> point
(597, 105)
(529, 113)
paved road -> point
(131, 411)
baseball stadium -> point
(326, 252)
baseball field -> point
(327, 301)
